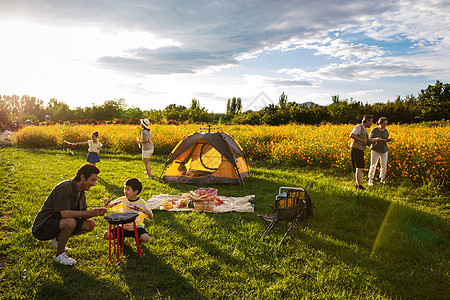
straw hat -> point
(145, 123)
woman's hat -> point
(145, 123)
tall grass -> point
(358, 245)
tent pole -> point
(164, 169)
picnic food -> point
(112, 203)
(166, 205)
(181, 204)
(218, 201)
(134, 207)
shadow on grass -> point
(149, 277)
(77, 284)
(113, 189)
(405, 248)
(408, 255)
(194, 240)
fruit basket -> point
(204, 199)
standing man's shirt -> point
(65, 196)
(361, 132)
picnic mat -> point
(238, 204)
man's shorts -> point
(147, 153)
(50, 229)
(129, 233)
(357, 158)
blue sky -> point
(154, 53)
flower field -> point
(420, 153)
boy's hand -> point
(149, 213)
(110, 203)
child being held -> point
(131, 203)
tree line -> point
(431, 104)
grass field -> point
(387, 243)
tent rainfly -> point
(206, 158)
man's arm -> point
(84, 214)
(374, 140)
(378, 139)
(355, 137)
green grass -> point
(389, 242)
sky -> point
(156, 53)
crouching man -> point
(64, 213)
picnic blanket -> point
(238, 204)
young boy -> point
(131, 203)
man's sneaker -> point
(383, 181)
(63, 259)
(360, 187)
(54, 244)
(370, 182)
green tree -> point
(234, 106)
(31, 108)
(17, 108)
(4, 114)
(271, 115)
(11, 108)
(198, 114)
(311, 113)
(59, 111)
(195, 104)
(109, 110)
(176, 112)
(288, 110)
(434, 102)
(132, 112)
(345, 111)
(248, 117)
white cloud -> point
(266, 81)
(357, 71)
(366, 92)
(221, 32)
(166, 60)
(340, 49)
(423, 22)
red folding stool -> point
(114, 221)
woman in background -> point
(379, 150)
(147, 145)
